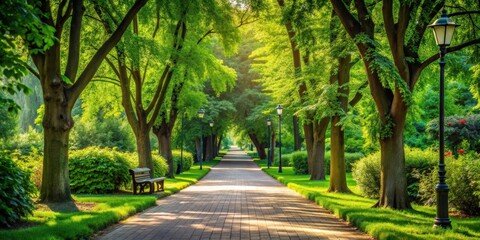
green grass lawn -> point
(109, 209)
(380, 223)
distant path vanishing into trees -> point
(236, 200)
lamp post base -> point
(443, 223)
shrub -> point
(350, 159)
(299, 162)
(15, 192)
(160, 166)
(366, 172)
(463, 180)
(187, 160)
(96, 170)
(285, 160)
(457, 130)
(29, 141)
(31, 163)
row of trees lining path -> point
(392, 73)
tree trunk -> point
(208, 148)
(318, 149)
(393, 180)
(219, 145)
(308, 130)
(214, 146)
(338, 178)
(55, 179)
(197, 150)
(144, 149)
(164, 136)
(297, 139)
(258, 145)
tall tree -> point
(61, 90)
(392, 79)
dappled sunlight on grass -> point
(381, 223)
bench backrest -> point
(140, 174)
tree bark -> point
(308, 130)
(164, 137)
(258, 145)
(297, 139)
(197, 150)
(318, 149)
(219, 145)
(208, 148)
(393, 181)
(144, 149)
(338, 178)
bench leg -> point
(134, 189)
(152, 187)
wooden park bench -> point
(141, 177)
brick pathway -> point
(236, 200)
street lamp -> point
(201, 113)
(269, 161)
(279, 112)
(443, 29)
(211, 138)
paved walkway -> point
(236, 200)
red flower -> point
(461, 151)
(450, 124)
(448, 154)
(463, 121)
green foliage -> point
(15, 192)
(110, 132)
(187, 160)
(350, 159)
(28, 142)
(96, 170)
(286, 162)
(299, 162)
(458, 129)
(366, 171)
(31, 163)
(19, 19)
(8, 122)
(160, 166)
(463, 180)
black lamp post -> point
(211, 123)
(443, 29)
(269, 160)
(279, 112)
(201, 113)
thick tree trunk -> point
(214, 145)
(197, 150)
(144, 149)
(258, 145)
(318, 149)
(297, 139)
(164, 136)
(208, 148)
(338, 178)
(393, 180)
(308, 130)
(55, 179)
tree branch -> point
(97, 59)
(74, 43)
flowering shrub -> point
(460, 131)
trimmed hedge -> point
(299, 162)
(97, 170)
(187, 160)
(15, 192)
